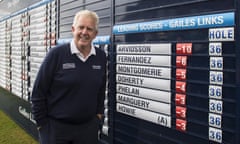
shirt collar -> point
(74, 50)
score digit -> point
(215, 120)
(216, 77)
(215, 91)
(216, 63)
(215, 106)
(215, 49)
(215, 134)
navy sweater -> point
(68, 89)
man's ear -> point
(73, 28)
(96, 33)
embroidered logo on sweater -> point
(68, 66)
(96, 67)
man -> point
(68, 93)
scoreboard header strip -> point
(102, 40)
(98, 40)
(194, 22)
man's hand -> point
(100, 116)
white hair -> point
(86, 13)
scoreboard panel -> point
(185, 88)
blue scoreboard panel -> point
(176, 78)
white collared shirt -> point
(74, 50)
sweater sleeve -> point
(41, 88)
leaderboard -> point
(189, 85)
(144, 81)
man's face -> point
(84, 32)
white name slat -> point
(164, 48)
(160, 84)
(145, 115)
(147, 60)
(157, 95)
(144, 104)
(157, 72)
